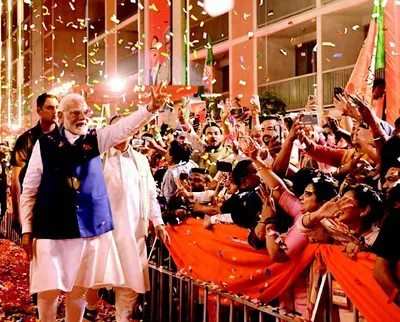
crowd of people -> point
(84, 196)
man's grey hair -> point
(71, 99)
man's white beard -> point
(76, 130)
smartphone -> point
(337, 91)
(138, 142)
(224, 166)
(310, 118)
(356, 100)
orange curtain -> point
(223, 257)
(392, 68)
(356, 279)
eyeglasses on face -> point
(86, 111)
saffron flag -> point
(363, 75)
(208, 68)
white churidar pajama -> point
(65, 264)
(133, 198)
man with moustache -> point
(65, 211)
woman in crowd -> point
(351, 221)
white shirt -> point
(106, 138)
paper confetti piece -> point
(194, 17)
(200, 4)
(213, 81)
(355, 27)
(201, 24)
(72, 6)
(270, 13)
(283, 52)
(392, 44)
(243, 83)
(328, 44)
(153, 7)
(337, 55)
(250, 34)
(114, 19)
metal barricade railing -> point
(175, 296)
(7, 230)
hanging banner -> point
(159, 42)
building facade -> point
(294, 48)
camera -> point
(310, 118)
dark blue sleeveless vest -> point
(72, 201)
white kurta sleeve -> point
(30, 186)
(120, 131)
(155, 211)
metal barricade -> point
(177, 297)
(7, 230)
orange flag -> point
(363, 75)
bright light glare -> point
(117, 85)
(218, 7)
(14, 127)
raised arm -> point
(282, 160)
(120, 131)
(271, 180)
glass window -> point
(343, 35)
(126, 9)
(96, 60)
(286, 63)
(48, 53)
(26, 105)
(14, 15)
(203, 26)
(14, 47)
(14, 76)
(96, 10)
(27, 67)
(4, 26)
(27, 10)
(273, 10)
(127, 53)
(26, 35)
(220, 72)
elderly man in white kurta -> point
(133, 198)
(65, 211)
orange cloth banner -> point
(223, 257)
(392, 68)
(356, 279)
(362, 77)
